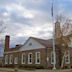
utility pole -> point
(54, 53)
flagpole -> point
(54, 53)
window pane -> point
(6, 59)
(52, 58)
(30, 58)
(37, 57)
(16, 60)
(67, 57)
(23, 58)
(11, 59)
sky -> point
(26, 18)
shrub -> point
(32, 67)
(40, 67)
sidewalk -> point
(37, 70)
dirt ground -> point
(36, 70)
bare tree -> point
(2, 30)
(66, 30)
(66, 24)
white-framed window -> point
(70, 43)
(37, 60)
(30, 58)
(11, 59)
(23, 59)
(16, 60)
(6, 59)
(52, 58)
(67, 57)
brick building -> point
(39, 52)
(1, 61)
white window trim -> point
(29, 58)
(68, 57)
(23, 54)
(11, 59)
(6, 59)
(37, 58)
(52, 58)
(70, 43)
(15, 60)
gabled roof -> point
(46, 43)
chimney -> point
(7, 42)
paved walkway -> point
(37, 70)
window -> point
(70, 43)
(11, 59)
(30, 58)
(37, 57)
(16, 60)
(6, 59)
(23, 58)
(52, 58)
(67, 58)
(30, 44)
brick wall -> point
(44, 52)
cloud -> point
(25, 18)
(20, 10)
(36, 30)
(30, 18)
